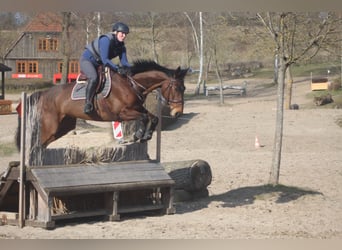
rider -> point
(100, 52)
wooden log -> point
(192, 175)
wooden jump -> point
(41, 195)
(241, 89)
(99, 190)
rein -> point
(142, 95)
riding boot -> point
(90, 93)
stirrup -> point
(88, 108)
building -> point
(36, 53)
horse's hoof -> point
(139, 134)
(146, 137)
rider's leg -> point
(90, 71)
(90, 93)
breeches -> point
(88, 68)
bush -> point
(335, 84)
(26, 84)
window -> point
(73, 67)
(48, 44)
(21, 67)
(27, 67)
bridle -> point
(142, 94)
(168, 88)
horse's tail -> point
(31, 101)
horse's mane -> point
(143, 65)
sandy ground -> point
(308, 205)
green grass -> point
(7, 149)
(304, 70)
(320, 69)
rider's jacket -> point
(104, 48)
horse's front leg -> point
(142, 127)
(151, 127)
(139, 115)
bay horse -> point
(57, 112)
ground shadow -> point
(248, 195)
(178, 122)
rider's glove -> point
(124, 70)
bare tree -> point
(66, 23)
(198, 47)
(291, 47)
(154, 34)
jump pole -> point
(159, 126)
(22, 177)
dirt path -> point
(239, 206)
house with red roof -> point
(36, 54)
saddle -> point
(101, 72)
(103, 85)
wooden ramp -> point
(63, 192)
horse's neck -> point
(150, 79)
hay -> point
(76, 155)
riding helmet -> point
(121, 27)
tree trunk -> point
(65, 46)
(289, 84)
(275, 169)
(197, 90)
(218, 74)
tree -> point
(199, 47)
(292, 46)
(66, 23)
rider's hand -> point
(124, 70)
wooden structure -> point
(102, 190)
(51, 193)
(241, 90)
(5, 105)
(320, 83)
(37, 52)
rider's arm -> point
(104, 52)
(123, 58)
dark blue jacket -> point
(103, 49)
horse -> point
(57, 112)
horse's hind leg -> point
(67, 124)
(52, 129)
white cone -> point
(257, 144)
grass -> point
(7, 149)
(304, 70)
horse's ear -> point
(180, 73)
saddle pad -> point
(79, 90)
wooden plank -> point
(9, 218)
(88, 189)
(132, 209)
(42, 224)
(79, 214)
(50, 178)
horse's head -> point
(172, 91)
